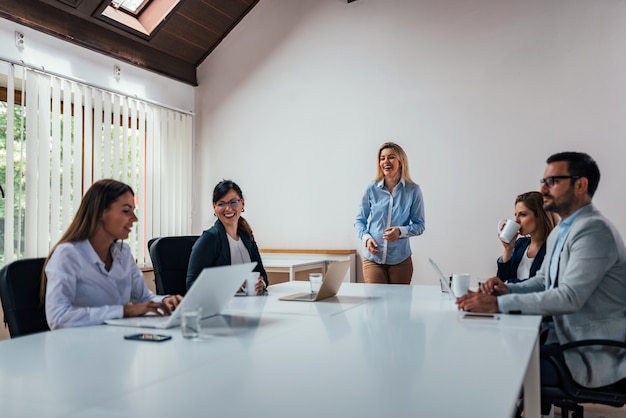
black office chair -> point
(570, 395)
(170, 257)
(19, 291)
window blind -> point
(75, 134)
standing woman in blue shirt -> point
(391, 211)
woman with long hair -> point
(391, 211)
(90, 275)
(523, 256)
(229, 240)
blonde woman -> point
(391, 211)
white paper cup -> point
(251, 282)
(460, 284)
(315, 279)
(190, 323)
(508, 229)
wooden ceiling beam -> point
(89, 34)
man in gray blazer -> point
(582, 282)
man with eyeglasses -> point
(582, 282)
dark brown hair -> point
(220, 191)
(545, 220)
(100, 196)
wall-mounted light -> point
(19, 39)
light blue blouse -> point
(380, 210)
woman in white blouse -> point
(90, 275)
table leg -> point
(532, 382)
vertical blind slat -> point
(106, 136)
(43, 180)
(55, 158)
(97, 135)
(88, 138)
(66, 183)
(77, 145)
(116, 139)
(9, 210)
(145, 230)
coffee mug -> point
(508, 229)
(251, 282)
(460, 284)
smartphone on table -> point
(157, 338)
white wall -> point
(295, 102)
(61, 57)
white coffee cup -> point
(251, 282)
(460, 284)
(508, 229)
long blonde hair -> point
(100, 196)
(404, 162)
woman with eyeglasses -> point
(90, 275)
(523, 256)
(229, 240)
(391, 211)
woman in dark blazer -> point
(522, 257)
(229, 240)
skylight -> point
(139, 17)
(131, 6)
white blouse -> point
(523, 269)
(80, 291)
(238, 251)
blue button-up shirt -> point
(380, 210)
(564, 227)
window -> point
(139, 17)
(59, 136)
(132, 7)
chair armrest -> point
(551, 352)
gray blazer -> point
(589, 300)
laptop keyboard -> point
(308, 296)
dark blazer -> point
(212, 249)
(507, 272)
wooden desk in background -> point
(297, 264)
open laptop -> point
(211, 291)
(330, 284)
(442, 278)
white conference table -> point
(373, 351)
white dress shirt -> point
(80, 291)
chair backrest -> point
(170, 257)
(19, 291)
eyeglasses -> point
(550, 181)
(233, 204)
